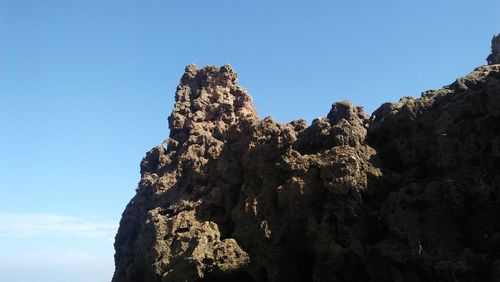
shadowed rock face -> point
(408, 194)
(494, 57)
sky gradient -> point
(86, 88)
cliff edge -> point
(410, 193)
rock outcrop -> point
(494, 57)
(411, 193)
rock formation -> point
(494, 57)
(411, 193)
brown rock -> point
(408, 194)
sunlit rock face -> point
(410, 193)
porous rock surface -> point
(410, 193)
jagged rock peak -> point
(494, 57)
(208, 99)
(346, 110)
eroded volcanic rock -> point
(408, 194)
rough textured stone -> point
(410, 193)
(494, 57)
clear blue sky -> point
(86, 88)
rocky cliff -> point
(410, 193)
